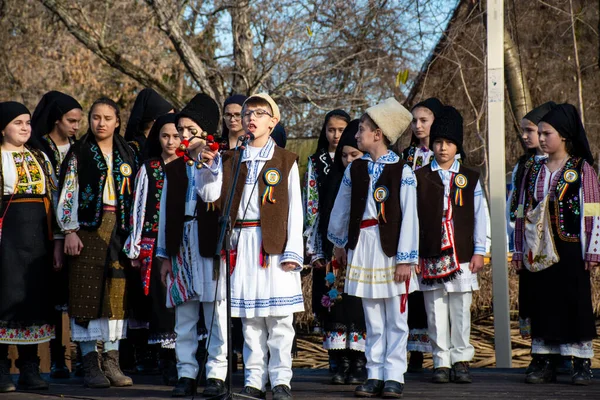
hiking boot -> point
(543, 370)
(185, 387)
(415, 363)
(441, 375)
(93, 377)
(582, 371)
(371, 388)
(29, 375)
(282, 392)
(253, 392)
(392, 390)
(342, 369)
(112, 370)
(6, 383)
(214, 387)
(358, 370)
(460, 372)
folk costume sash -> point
(155, 174)
(445, 267)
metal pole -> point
(495, 75)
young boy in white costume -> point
(267, 218)
(450, 196)
(187, 268)
(375, 217)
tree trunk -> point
(518, 91)
(243, 60)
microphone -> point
(247, 137)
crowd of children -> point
(126, 229)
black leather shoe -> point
(371, 388)
(253, 392)
(214, 387)
(392, 390)
(582, 372)
(441, 375)
(460, 373)
(185, 387)
(342, 368)
(358, 372)
(282, 392)
(542, 371)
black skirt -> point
(25, 266)
(561, 309)
(162, 319)
(346, 315)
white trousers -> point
(268, 350)
(387, 337)
(449, 326)
(186, 344)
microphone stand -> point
(224, 242)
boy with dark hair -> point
(266, 214)
(450, 194)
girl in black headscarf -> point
(418, 154)
(148, 106)
(160, 149)
(93, 212)
(28, 187)
(343, 321)
(560, 305)
(55, 124)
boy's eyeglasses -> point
(257, 113)
(234, 117)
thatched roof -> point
(456, 70)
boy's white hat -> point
(268, 99)
(391, 117)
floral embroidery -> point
(30, 334)
(87, 196)
(30, 179)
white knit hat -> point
(391, 117)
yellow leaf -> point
(310, 33)
(398, 79)
(404, 77)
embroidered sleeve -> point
(591, 212)
(293, 248)
(161, 246)
(209, 181)
(480, 233)
(311, 214)
(510, 202)
(408, 244)
(68, 201)
(138, 214)
(337, 231)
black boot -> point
(6, 383)
(371, 388)
(59, 369)
(358, 370)
(343, 367)
(415, 363)
(582, 371)
(29, 374)
(167, 365)
(185, 387)
(543, 370)
(147, 359)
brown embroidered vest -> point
(273, 215)
(430, 205)
(391, 178)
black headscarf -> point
(148, 106)
(334, 179)
(233, 99)
(279, 135)
(434, 105)
(323, 143)
(10, 110)
(51, 108)
(152, 148)
(539, 112)
(565, 119)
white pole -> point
(495, 75)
